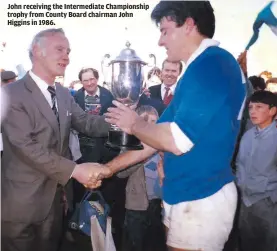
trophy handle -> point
(106, 56)
(154, 60)
(151, 55)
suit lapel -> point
(62, 108)
(160, 92)
(81, 98)
(102, 100)
(42, 103)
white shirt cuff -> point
(183, 143)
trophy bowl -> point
(125, 83)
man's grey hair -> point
(37, 40)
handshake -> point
(91, 174)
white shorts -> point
(202, 224)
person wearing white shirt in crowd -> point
(169, 76)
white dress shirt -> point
(182, 141)
(171, 91)
(74, 144)
(97, 93)
(42, 85)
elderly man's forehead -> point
(56, 37)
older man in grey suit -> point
(36, 161)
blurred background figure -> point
(258, 83)
(8, 77)
(266, 75)
(21, 71)
(75, 86)
(271, 85)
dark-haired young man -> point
(197, 131)
(257, 177)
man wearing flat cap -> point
(8, 77)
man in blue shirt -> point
(197, 131)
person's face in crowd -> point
(175, 39)
(53, 54)
(89, 82)
(170, 73)
(261, 114)
(149, 117)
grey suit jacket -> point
(36, 152)
(136, 192)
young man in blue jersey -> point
(197, 131)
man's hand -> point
(146, 92)
(242, 60)
(91, 174)
(122, 116)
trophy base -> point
(121, 140)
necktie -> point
(167, 96)
(55, 110)
(52, 91)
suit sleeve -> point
(91, 125)
(17, 127)
(153, 91)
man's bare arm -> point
(129, 158)
(158, 136)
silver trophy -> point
(125, 81)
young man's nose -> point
(161, 42)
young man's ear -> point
(273, 111)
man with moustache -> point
(165, 91)
(7, 77)
(36, 162)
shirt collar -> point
(206, 43)
(172, 87)
(259, 131)
(40, 83)
(96, 94)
